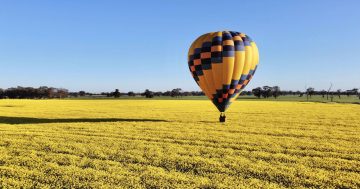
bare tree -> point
(328, 91)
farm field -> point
(178, 144)
(290, 98)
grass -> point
(290, 98)
(314, 98)
(178, 144)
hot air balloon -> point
(222, 64)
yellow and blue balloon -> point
(222, 64)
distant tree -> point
(166, 93)
(353, 91)
(130, 93)
(331, 96)
(33, 93)
(148, 93)
(348, 93)
(52, 92)
(257, 92)
(356, 92)
(309, 92)
(197, 93)
(338, 93)
(73, 94)
(176, 92)
(62, 93)
(297, 92)
(2, 93)
(158, 93)
(248, 93)
(107, 94)
(116, 93)
(276, 91)
(267, 91)
(82, 93)
(328, 91)
(43, 92)
(186, 93)
(323, 93)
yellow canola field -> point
(178, 144)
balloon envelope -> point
(222, 64)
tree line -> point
(45, 92)
(33, 93)
(267, 91)
(178, 92)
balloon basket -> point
(222, 117)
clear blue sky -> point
(133, 45)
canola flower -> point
(178, 144)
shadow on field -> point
(30, 120)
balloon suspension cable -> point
(222, 117)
